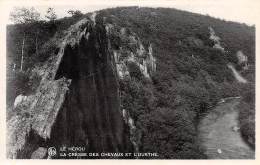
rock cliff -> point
(125, 79)
(77, 101)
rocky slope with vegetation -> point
(125, 80)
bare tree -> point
(21, 66)
(50, 14)
(24, 16)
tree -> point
(75, 13)
(24, 15)
(51, 15)
(21, 66)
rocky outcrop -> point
(242, 60)
(131, 50)
(93, 17)
(134, 133)
(76, 103)
(216, 39)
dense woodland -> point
(191, 76)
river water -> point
(217, 134)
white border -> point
(5, 6)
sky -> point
(243, 11)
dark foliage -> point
(247, 115)
(191, 76)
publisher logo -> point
(52, 151)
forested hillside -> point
(191, 73)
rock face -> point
(242, 60)
(131, 50)
(77, 101)
(215, 39)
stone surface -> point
(77, 100)
(216, 39)
(131, 50)
(40, 153)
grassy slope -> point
(168, 108)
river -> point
(217, 134)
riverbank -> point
(220, 135)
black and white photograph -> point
(132, 81)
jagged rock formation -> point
(126, 79)
(76, 103)
(215, 39)
(242, 60)
(19, 100)
(134, 135)
(93, 17)
(131, 51)
(126, 51)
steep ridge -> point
(128, 80)
(77, 102)
(242, 59)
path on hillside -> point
(236, 74)
(217, 136)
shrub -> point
(134, 70)
(17, 84)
